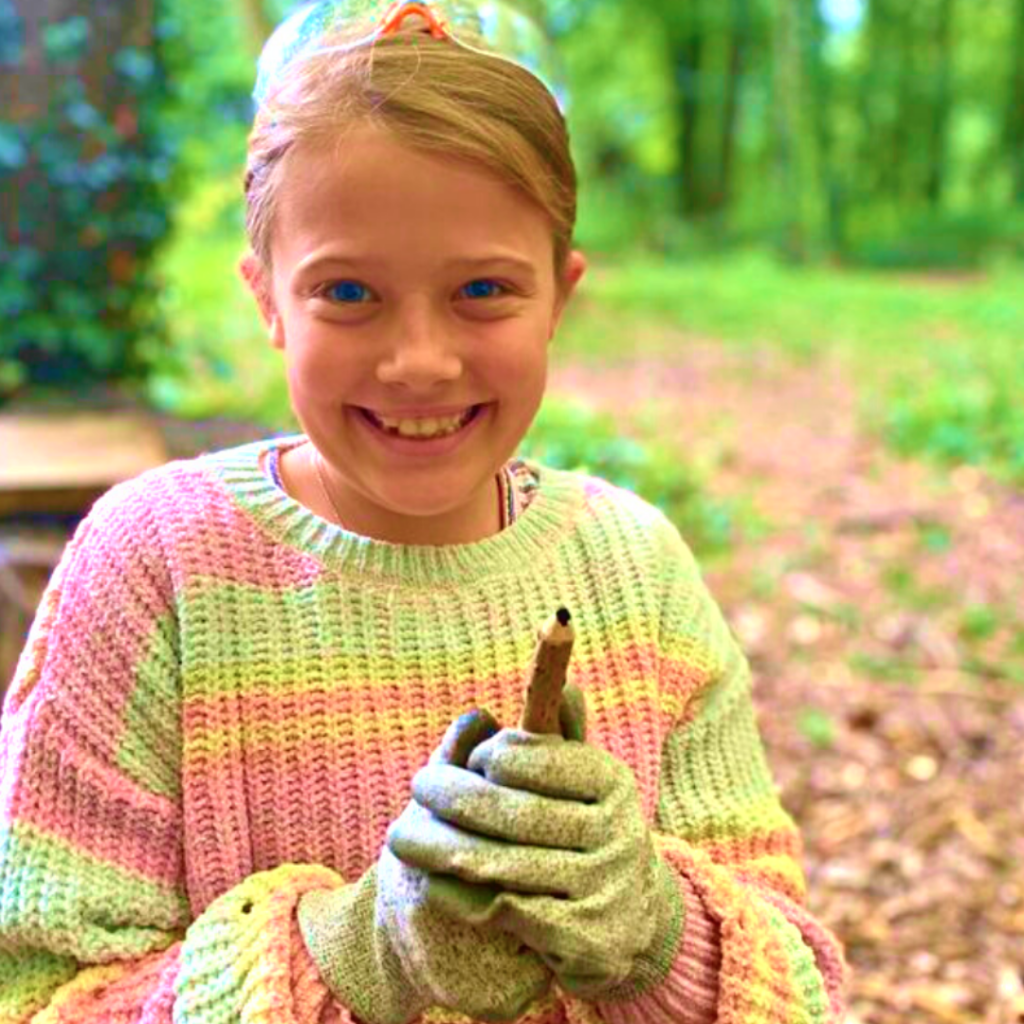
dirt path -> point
(884, 685)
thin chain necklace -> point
(319, 469)
(318, 466)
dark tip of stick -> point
(563, 616)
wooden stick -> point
(547, 675)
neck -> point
(481, 517)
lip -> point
(422, 449)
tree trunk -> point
(1014, 119)
(687, 50)
(796, 175)
(868, 184)
(943, 103)
(904, 129)
(739, 41)
(822, 100)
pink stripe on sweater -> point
(95, 809)
(217, 517)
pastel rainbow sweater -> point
(222, 702)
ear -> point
(575, 268)
(257, 279)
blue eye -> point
(353, 293)
(485, 288)
(347, 291)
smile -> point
(422, 428)
(432, 437)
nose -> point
(420, 351)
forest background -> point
(797, 172)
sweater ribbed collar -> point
(546, 522)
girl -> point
(243, 776)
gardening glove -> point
(544, 836)
(388, 955)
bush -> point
(572, 435)
(942, 241)
(91, 189)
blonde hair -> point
(429, 94)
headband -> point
(498, 28)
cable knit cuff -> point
(244, 959)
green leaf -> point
(817, 726)
(66, 40)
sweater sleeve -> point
(749, 952)
(94, 916)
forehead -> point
(380, 196)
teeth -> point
(429, 427)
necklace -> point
(502, 484)
(317, 465)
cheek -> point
(318, 371)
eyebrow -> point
(524, 266)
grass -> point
(938, 358)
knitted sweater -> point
(223, 700)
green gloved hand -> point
(544, 837)
(388, 954)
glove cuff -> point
(354, 957)
(652, 967)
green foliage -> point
(893, 144)
(967, 240)
(818, 727)
(92, 189)
(573, 435)
(979, 622)
(221, 361)
(969, 412)
(213, 110)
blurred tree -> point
(83, 203)
(798, 179)
(824, 104)
(942, 107)
(739, 44)
(908, 101)
(1013, 130)
(709, 45)
(259, 22)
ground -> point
(883, 617)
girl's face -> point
(409, 284)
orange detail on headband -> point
(392, 20)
